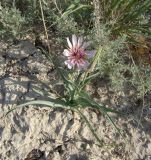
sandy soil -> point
(55, 134)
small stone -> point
(81, 145)
(72, 157)
(56, 156)
(35, 154)
(77, 157)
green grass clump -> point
(11, 22)
(116, 61)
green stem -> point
(91, 68)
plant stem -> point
(45, 28)
(92, 65)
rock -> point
(77, 157)
(73, 157)
(35, 154)
(3, 65)
(22, 50)
(54, 156)
(81, 145)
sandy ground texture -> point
(41, 133)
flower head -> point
(77, 56)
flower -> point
(77, 56)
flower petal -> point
(80, 41)
(74, 40)
(66, 53)
(82, 65)
(69, 64)
(86, 64)
(85, 45)
(90, 54)
(69, 43)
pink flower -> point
(77, 56)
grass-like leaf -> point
(51, 103)
(89, 102)
(90, 127)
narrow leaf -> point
(53, 103)
(90, 127)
